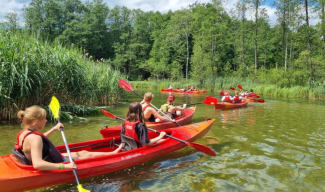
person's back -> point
(134, 131)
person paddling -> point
(34, 148)
(150, 114)
(134, 132)
(172, 110)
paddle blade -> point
(108, 114)
(55, 107)
(260, 100)
(239, 87)
(125, 85)
(210, 100)
(232, 88)
(81, 189)
(221, 93)
(202, 148)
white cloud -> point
(7, 6)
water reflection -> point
(271, 146)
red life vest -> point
(17, 146)
(49, 151)
(236, 98)
(129, 128)
(145, 107)
(227, 99)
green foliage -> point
(32, 71)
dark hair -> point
(251, 90)
(135, 113)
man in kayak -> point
(172, 110)
(34, 148)
(134, 132)
(149, 113)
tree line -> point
(202, 42)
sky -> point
(7, 6)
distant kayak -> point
(15, 176)
(184, 119)
(184, 91)
(227, 105)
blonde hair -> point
(30, 114)
(148, 96)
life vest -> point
(129, 130)
(165, 107)
(227, 99)
(49, 152)
(236, 98)
(145, 107)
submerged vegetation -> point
(32, 71)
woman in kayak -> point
(172, 110)
(134, 132)
(34, 148)
(149, 113)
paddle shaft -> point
(152, 105)
(69, 154)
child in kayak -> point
(34, 148)
(134, 132)
(149, 113)
(226, 97)
(172, 110)
(237, 98)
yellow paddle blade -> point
(55, 107)
(81, 189)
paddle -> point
(55, 110)
(197, 146)
(126, 86)
(207, 101)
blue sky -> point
(7, 6)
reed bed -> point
(31, 71)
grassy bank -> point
(269, 90)
(32, 71)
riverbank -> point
(269, 90)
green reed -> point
(31, 71)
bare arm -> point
(56, 127)
(157, 115)
(36, 154)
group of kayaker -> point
(238, 97)
(34, 148)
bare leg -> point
(86, 154)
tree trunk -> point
(187, 56)
(311, 74)
(323, 23)
(256, 29)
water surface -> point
(278, 145)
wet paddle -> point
(127, 86)
(55, 110)
(197, 146)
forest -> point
(80, 50)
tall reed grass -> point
(31, 71)
(222, 83)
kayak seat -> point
(129, 143)
(19, 155)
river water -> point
(278, 145)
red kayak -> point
(15, 176)
(186, 118)
(227, 105)
(183, 91)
